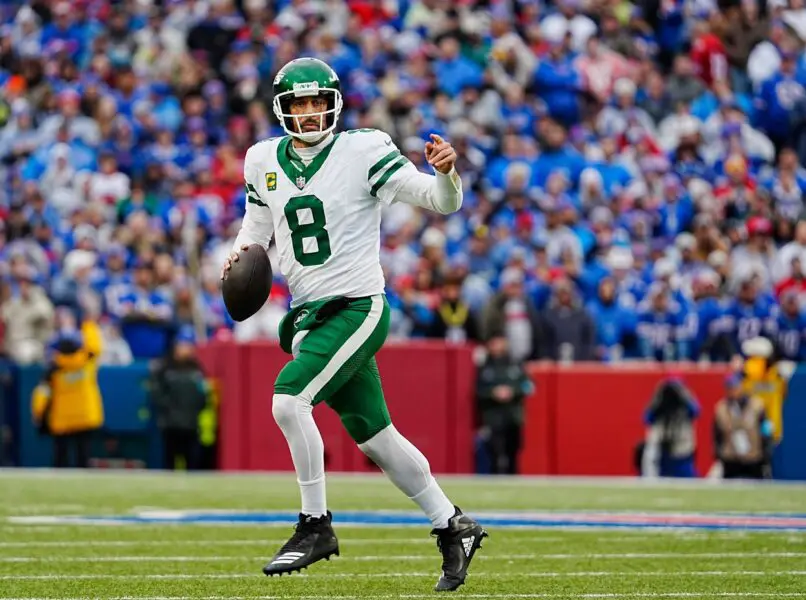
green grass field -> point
(45, 557)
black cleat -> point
(312, 541)
(458, 543)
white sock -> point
(295, 418)
(409, 470)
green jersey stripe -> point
(382, 163)
(251, 199)
(396, 166)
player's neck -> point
(308, 152)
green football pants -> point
(335, 362)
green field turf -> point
(220, 562)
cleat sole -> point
(299, 568)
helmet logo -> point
(306, 89)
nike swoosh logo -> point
(388, 142)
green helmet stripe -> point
(306, 71)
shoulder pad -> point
(368, 137)
(260, 149)
(363, 130)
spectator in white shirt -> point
(69, 115)
(797, 247)
(108, 185)
(58, 181)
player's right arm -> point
(257, 226)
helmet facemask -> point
(291, 123)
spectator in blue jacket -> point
(661, 327)
(511, 161)
(558, 80)
(749, 314)
(64, 29)
(518, 116)
(710, 341)
(677, 210)
(455, 72)
(145, 314)
(790, 328)
(615, 323)
(776, 99)
(557, 155)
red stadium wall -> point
(428, 387)
(587, 419)
(581, 420)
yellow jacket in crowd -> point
(68, 397)
(767, 381)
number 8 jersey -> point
(325, 215)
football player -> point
(319, 194)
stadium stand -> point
(637, 162)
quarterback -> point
(320, 194)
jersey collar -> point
(294, 168)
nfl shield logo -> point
(300, 182)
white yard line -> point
(518, 481)
(621, 539)
(616, 539)
(250, 542)
(415, 557)
(536, 575)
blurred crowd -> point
(632, 177)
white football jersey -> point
(326, 216)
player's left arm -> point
(441, 192)
(257, 226)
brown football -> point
(248, 283)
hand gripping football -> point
(248, 283)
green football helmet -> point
(307, 77)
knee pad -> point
(405, 465)
(389, 444)
(285, 409)
(378, 446)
